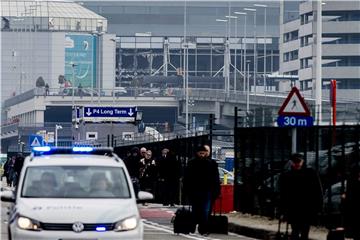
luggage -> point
(218, 223)
(183, 221)
(336, 234)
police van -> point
(74, 193)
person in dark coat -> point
(300, 197)
(352, 205)
(202, 187)
(19, 162)
(7, 171)
(132, 164)
(148, 173)
(169, 174)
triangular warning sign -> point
(294, 105)
(35, 143)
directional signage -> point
(35, 141)
(295, 121)
(294, 105)
(115, 114)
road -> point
(157, 221)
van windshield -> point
(75, 182)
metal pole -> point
(245, 50)
(318, 80)
(235, 71)
(56, 136)
(255, 53)
(248, 89)
(265, 50)
(186, 71)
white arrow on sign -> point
(88, 112)
(131, 112)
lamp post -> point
(244, 44)
(265, 25)
(253, 10)
(318, 80)
(248, 86)
(226, 57)
(57, 127)
(73, 65)
(235, 71)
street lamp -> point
(235, 61)
(255, 51)
(244, 44)
(57, 127)
(264, 6)
(248, 86)
(226, 68)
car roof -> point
(73, 160)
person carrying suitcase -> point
(202, 187)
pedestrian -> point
(80, 90)
(300, 197)
(12, 172)
(148, 173)
(169, 175)
(47, 89)
(19, 162)
(7, 170)
(202, 187)
(352, 205)
(132, 163)
(142, 152)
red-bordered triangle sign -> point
(294, 105)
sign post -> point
(294, 113)
(109, 114)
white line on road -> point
(166, 229)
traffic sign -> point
(295, 121)
(35, 141)
(294, 105)
(117, 114)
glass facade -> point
(144, 56)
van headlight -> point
(126, 224)
(28, 224)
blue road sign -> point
(122, 114)
(295, 121)
(35, 141)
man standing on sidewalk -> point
(202, 186)
(300, 197)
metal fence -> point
(262, 153)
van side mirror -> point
(144, 196)
(7, 196)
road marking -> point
(170, 230)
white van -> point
(74, 193)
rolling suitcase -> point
(218, 223)
(183, 221)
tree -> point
(40, 82)
(61, 79)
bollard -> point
(225, 179)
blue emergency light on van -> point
(82, 149)
(41, 149)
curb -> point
(251, 232)
(257, 233)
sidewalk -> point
(264, 228)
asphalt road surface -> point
(157, 221)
